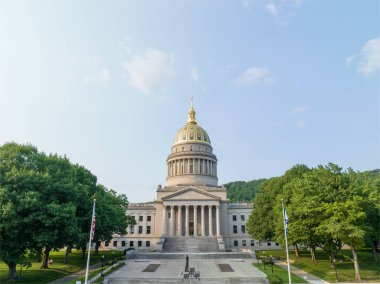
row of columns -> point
(191, 166)
(173, 224)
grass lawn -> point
(56, 270)
(279, 272)
(369, 269)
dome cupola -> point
(192, 161)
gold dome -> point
(191, 132)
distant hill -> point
(243, 191)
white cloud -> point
(253, 75)
(102, 77)
(283, 10)
(272, 8)
(370, 57)
(301, 109)
(151, 71)
(194, 73)
(300, 123)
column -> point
(164, 214)
(187, 220)
(203, 220)
(172, 218)
(217, 221)
(195, 220)
(137, 224)
(210, 220)
(144, 223)
(179, 231)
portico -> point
(188, 218)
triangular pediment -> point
(191, 193)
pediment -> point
(191, 194)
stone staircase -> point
(190, 244)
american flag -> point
(286, 220)
(93, 222)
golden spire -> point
(191, 114)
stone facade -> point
(191, 204)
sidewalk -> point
(75, 275)
(301, 273)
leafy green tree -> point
(110, 215)
(261, 221)
(20, 174)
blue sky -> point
(275, 83)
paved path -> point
(301, 273)
(169, 271)
(75, 275)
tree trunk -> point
(296, 250)
(83, 252)
(374, 250)
(12, 274)
(313, 258)
(45, 258)
(96, 248)
(68, 250)
(332, 257)
(39, 255)
(356, 264)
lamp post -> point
(264, 260)
(113, 254)
(102, 265)
(271, 262)
(257, 257)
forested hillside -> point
(243, 191)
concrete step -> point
(191, 244)
(227, 280)
(212, 255)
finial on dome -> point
(191, 114)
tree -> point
(20, 174)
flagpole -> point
(89, 243)
(286, 239)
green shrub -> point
(273, 278)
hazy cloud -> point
(151, 71)
(194, 73)
(301, 109)
(254, 75)
(102, 77)
(283, 10)
(370, 57)
(300, 123)
(272, 8)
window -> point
(183, 148)
(148, 243)
(147, 230)
(269, 244)
(140, 229)
(141, 218)
(132, 229)
(252, 243)
(233, 217)
(236, 243)
(131, 244)
(244, 243)
(277, 244)
(107, 244)
(149, 218)
(169, 215)
(201, 166)
(123, 243)
(259, 243)
(115, 243)
(134, 218)
(235, 229)
(139, 243)
(243, 229)
(242, 217)
(191, 166)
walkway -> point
(301, 273)
(75, 275)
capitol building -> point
(192, 211)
